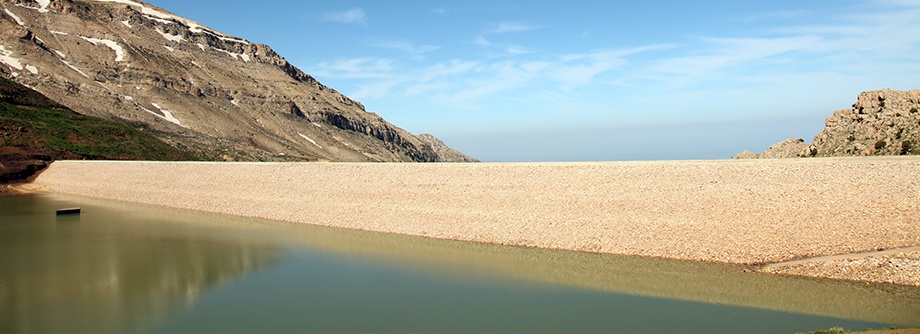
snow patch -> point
(200, 46)
(42, 9)
(235, 103)
(32, 69)
(241, 41)
(316, 124)
(169, 48)
(167, 115)
(104, 86)
(171, 37)
(127, 23)
(159, 19)
(61, 54)
(58, 32)
(6, 57)
(18, 20)
(167, 18)
(309, 140)
(129, 98)
(236, 56)
(341, 141)
(119, 51)
(74, 68)
(44, 5)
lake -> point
(121, 267)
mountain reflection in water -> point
(122, 268)
(111, 270)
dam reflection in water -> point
(127, 268)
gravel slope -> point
(734, 211)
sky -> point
(590, 80)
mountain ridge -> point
(219, 96)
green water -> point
(127, 268)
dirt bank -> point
(750, 212)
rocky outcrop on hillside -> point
(443, 151)
(218, 96)
(881, 122)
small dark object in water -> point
(68, 211)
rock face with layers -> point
(218, 96)
(881, 122)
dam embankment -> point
(733, 211)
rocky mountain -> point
(881, 122)
(215, 95)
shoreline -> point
(750, 212)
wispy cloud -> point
(575, 70)
(351, 16)
(465, 84)
(859, 46)
(354, 68)
(508, 27)
(776, 15)
(481, 41)
(404, 46)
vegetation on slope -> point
(35, 130)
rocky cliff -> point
(218, 96)
(881, 122)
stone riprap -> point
(734, 211)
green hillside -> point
(35, 130)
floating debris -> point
(68, 211)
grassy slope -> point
(34, 128)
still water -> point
(121, 267)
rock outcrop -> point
(443, 151)
(218, 96)
(789, 148)
(881, 122)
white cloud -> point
(404, 46)
(507, 27)
(351, 16)
(864, 50)
(354, 68)
(481, 41)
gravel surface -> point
(902, 268)
(734, 211)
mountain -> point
(218, 96)
(881, 122)
(35, 130)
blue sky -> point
(590, 80)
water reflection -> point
(684, 280)
(122, 268)
(109, 270)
